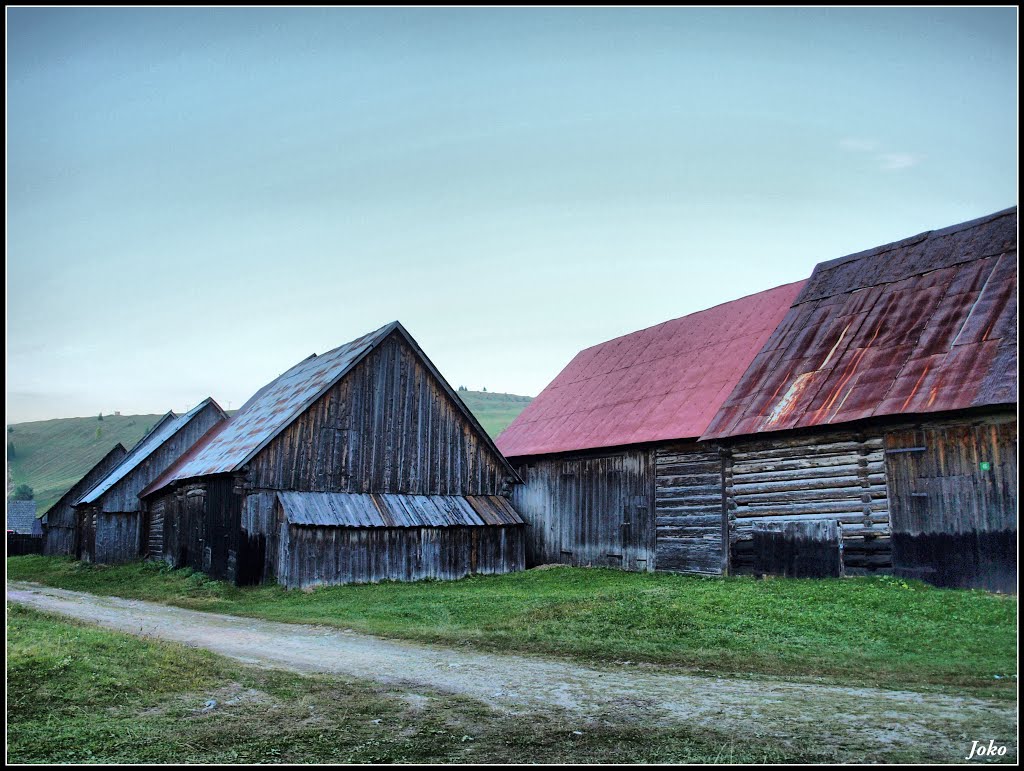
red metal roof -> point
(927, 324)
(664, 382)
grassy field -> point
(494, 411)
(51, 455)
(79, 694)
(864, 631)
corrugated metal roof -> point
(21, 517)
(664, 382)
(926, 324)
(230, 445)
(394, 510)
(165, 428)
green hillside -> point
(51, 455)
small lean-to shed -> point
(357, 465)
(109, 516)
(886, 402)
(608, 453)
(61, 520)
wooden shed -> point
(357, 465)
(608, 453)
(885, 404)
(109, 516)
(60, 521)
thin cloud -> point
(855, 145)
(897, 161)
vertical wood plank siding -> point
(315, 556)
(62, 521)
(836, 476)
(955, 523)
(388, 426)
(589, 510)
(688, 508)
(108, 538)
(201, 527)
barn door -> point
(953, 504)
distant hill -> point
(51, 455)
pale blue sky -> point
(198, 199)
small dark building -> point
(109, 516)
(358, 465)
(885, 404)
(608, 451)
(61, 520)
(21, 518)
(24, 529)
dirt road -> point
(867, 717)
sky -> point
(198, 199)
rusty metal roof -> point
(664, 382)
(393, 510)
(230, 445)
(164, 429)
(926, 324)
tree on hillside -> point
(11, 453)
(463, 388)
(100, 417)
(23, 493)
(484, 389)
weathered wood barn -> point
(109, 516)
(358, 465)
(613, 473)
(60, 522)
(886, 401)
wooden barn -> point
(60, 522)
(877, 429)
(109, 516)
(608, 453)
(358, 465)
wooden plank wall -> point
(955, 523)
(388, 426)
(688, 509)
(830, 476)
(593, 509)
(123, 496)
(314, 556)
(62, 521)
(798, 548)
(116, 537)
(201, 526)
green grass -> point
(50, 456)
(864, 631)
(494, 411)
(79, 694)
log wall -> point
(837, 476)
(688, 509)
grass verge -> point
(79, 694)
(867, 631)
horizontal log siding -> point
(836, 476)
(388, 426)
(589, 510)
(688, 509)
(315, 556)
